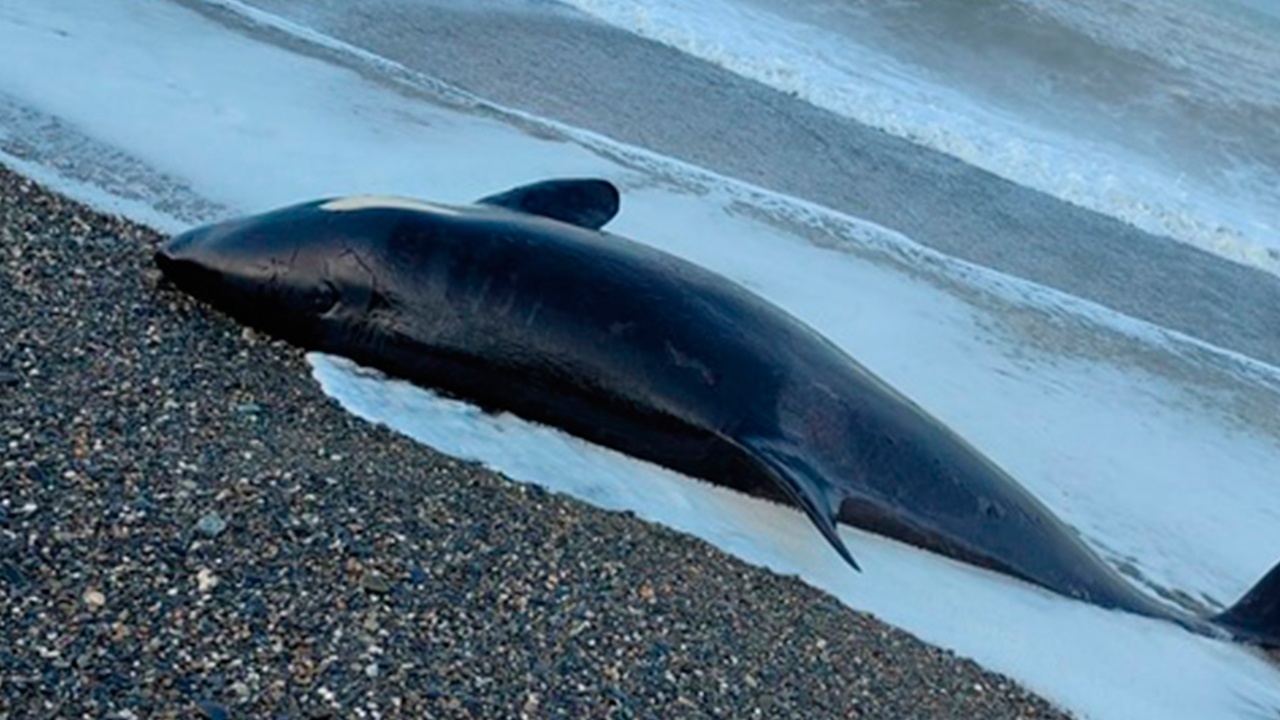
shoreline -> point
(189, 526)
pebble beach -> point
(190, 528)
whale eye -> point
(324, 298)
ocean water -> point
(1164, 113)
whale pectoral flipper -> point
(588, 203)
(804, 486)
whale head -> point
(322, 274)
(300, 273)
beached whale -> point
(519, 303)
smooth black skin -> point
(518, 303)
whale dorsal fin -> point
(587, 202)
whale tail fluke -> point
(1256, 618)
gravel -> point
(190, 528)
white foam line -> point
(264, 19)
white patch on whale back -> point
(375, 202)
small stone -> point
(206, 580)
(376, 584)
(94, 598)
(211, 525)
(12, 575)
(212, 711)
(9, 379)
(249, 409)
(326, 694)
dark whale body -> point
(519, 303)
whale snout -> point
(180, 272)
(169, 253)
(178, 244)
(252, 269)
(180, 266)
